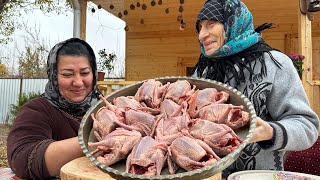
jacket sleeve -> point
(27, 142)
(295, 123)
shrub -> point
(14, 108)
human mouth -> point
(208, 43)
(78, 92)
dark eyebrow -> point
(82, 69)
(66, 69)
(85, 68)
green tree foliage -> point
(11, 10)
(14, 108)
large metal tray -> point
(117, 170)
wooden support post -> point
(305, 48)
(20, 88)
(83, 18)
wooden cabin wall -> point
(160, 56)
(314, 93)
(158, 47)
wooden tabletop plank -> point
(83, 169)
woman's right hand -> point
(263, 131)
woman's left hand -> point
(263, 131)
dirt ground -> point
(4, 130)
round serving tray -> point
(117, 170)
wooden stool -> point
(82, 168)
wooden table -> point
(83, 169)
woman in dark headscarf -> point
(44, 135)
(234, 53)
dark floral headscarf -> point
(238, 25)
(52, 90)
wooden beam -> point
(83, 19)
(305, 48)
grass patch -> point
(4, 130)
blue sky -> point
(104, 31)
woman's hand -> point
(263, 131)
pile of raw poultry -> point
(173, 124)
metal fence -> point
(11, 89)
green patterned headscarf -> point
(238, 25)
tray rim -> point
(237, 175)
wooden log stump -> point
(83, 169)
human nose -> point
(203, 34)
(77, 81)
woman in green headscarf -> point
(234, 53)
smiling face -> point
(211, 35)
(75, 77)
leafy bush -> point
(14, 108)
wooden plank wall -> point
(157, 47)
(315, 99)
(159, 57)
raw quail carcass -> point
(140, 121)
(221, 138)
(179, 91)
(108, 105)
(237, 118)
(121, 103)
(147, 157)
(190, 154)
(150, 93)
(170, 128)
(205, 97)
(116, 145)
(170, 108)
(228, 114)
(104, 122)
(124, 102)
